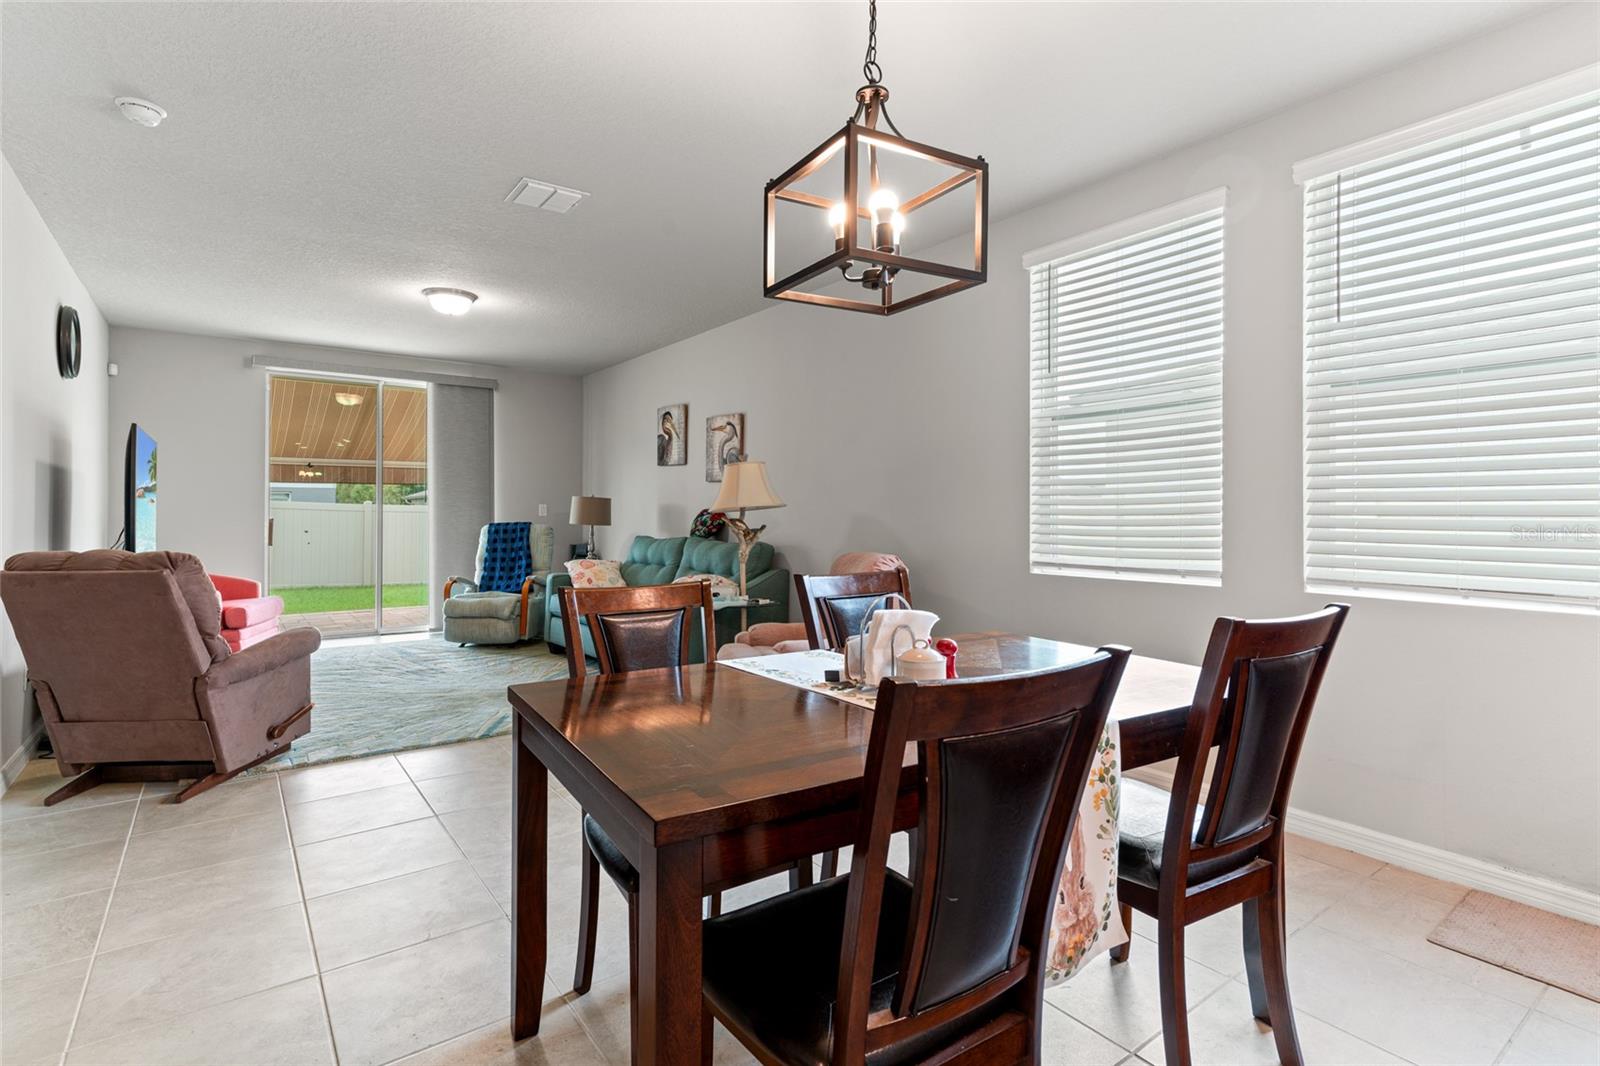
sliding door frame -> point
(378, 628)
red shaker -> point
(948, 648)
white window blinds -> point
(1126, 391)
(1452, 370)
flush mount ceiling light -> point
(347, 399)
(140, 112)
(450, 301)
(308, 471)
(869, 219)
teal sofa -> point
(662, 560)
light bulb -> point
(836, 220)
(897, 222)
(450, 301)
(882, 203)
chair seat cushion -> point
(1142, 825)
(239, 614)
(483, 605)
(772, 969)
(611, 860)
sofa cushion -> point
(237, 614)
(483, 605)
(244, 636)
(722, 557)
(199, 594)
(653, 560)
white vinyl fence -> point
(331, 544)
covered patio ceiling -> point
(323, 431)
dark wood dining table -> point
(708, 776)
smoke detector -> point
(530, 192)
(140, 112)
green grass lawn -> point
(315, 599)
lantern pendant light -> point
(868, 219)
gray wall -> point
(910, 435)
(53, 468)
(199, 397)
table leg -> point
(668, 1009)
(529, 840)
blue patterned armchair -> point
(503, 603)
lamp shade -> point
(591, 511)
(745, 488)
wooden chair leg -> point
(1267, 969)
(1174, 998)
(830, 864)
(633, 979)
(708, 1028)
(94, 775)
(212, 780)
(1120, 954)
(588, 920)
(714, 905)
(800, 874)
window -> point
(1452, 368)
(1126, 388)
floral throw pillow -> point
(722, 588)
(595, 574)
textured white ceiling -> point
(324, 162)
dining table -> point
(709, 776)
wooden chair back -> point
(643, 628)
(833, 605)
(1002, 764)
(1253, 701)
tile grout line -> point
(305, 913)
(105, 917)
(504, 910)
(1512, 1039)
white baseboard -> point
(1542, 892)
(19, 758)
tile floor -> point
(356, 913)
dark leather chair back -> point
(1254, 699)
(644, 628)
(1002, 765)
(834, 605)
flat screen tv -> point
(139, 487)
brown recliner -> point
(133, 677)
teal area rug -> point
(372, 699)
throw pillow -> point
(721, 587)
(708, 524)
(595, 574)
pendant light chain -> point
(869, 66)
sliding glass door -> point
(347, 509)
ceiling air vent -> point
(531, 193)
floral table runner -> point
(1086, 920)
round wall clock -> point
(69, 342)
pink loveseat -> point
(247, 616)
(776, 638)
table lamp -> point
(591, 511)
(745, 488)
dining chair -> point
(634, 628)
(834, 606)
(643, 627)
(1183, 856)
(948, 965)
